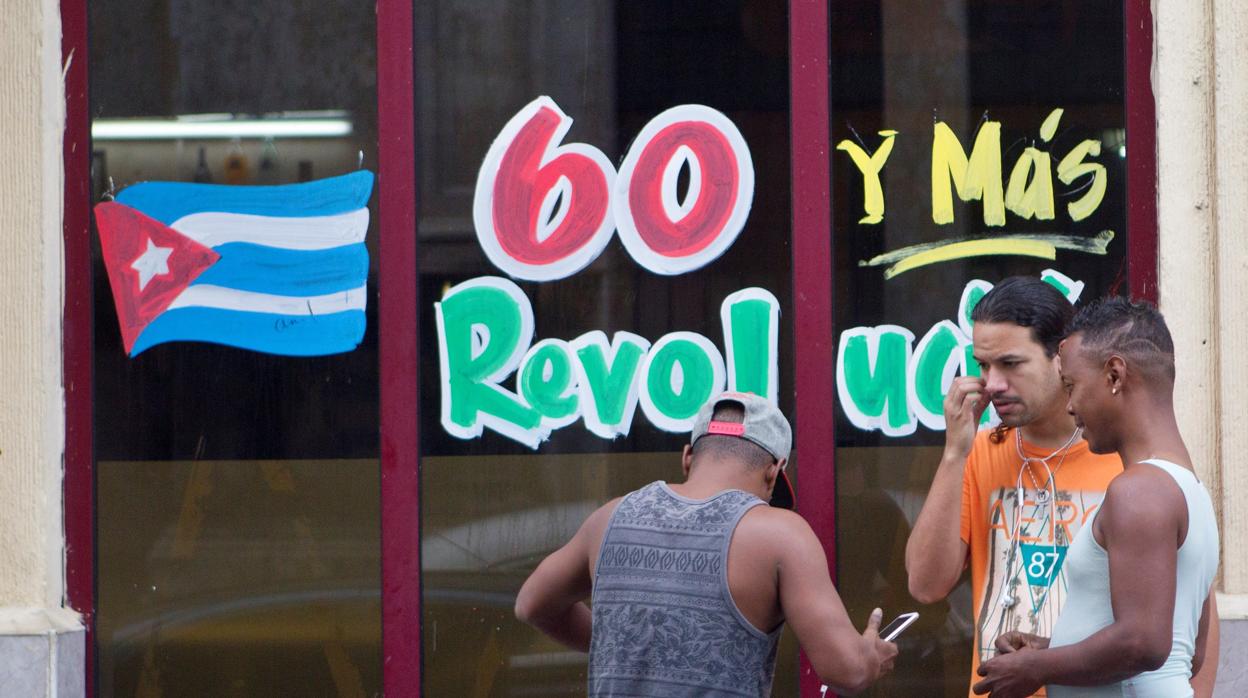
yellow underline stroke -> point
(973, 248)
(1042, 246)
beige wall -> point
(32, 418)
(1202, 133)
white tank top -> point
(1088, 607)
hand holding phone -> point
(889, 632)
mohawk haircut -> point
(734, 447)
(1135, 330)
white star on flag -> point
(153, 261)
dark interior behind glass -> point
(238, 529)
(903, 66)
(492, 508)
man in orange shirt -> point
(1010, 500)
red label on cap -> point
(729, 428)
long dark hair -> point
(1026, 301)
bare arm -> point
(936, 553)
(1205, 656)
(552, 599)
(846, 661)
(1140, 523)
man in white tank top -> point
(1136, 620)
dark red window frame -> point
(77, 337)
(1141, 151)
(814, 360)
(400, 494)
(398, 352)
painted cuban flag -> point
(274, 269)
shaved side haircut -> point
(1134, 330)
(734, 447)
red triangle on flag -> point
(170, 262)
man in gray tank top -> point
(1141, 571)
(692, 582)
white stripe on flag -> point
(208, 296)
(295, 233)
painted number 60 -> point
(544, 210)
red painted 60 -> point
(544, 211)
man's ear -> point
(686, 459)
(772, 474)
(1115, 373)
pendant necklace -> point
(1043, 492)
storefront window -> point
(496, 500)
(237, 487)
(561, 345)
(998, 133)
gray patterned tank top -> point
(664, 622)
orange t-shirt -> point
(1024, 550)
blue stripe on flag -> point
(282, 272)
(288, 335)
(169, 201)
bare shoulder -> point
(777, 532)
(773, 520)
(1144, 483)
(588, 539)
(595, 525)
(1141, 496)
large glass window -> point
(963, 92)
(237, 488)
(491, 506)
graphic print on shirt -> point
(1025, 585)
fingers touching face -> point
(1020, 379)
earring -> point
(1114, 391)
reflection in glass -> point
(899, 70)
(491, 507)
(237, 493)
(238, 578)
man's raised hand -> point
(964, 405)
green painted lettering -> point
(751, 328)
(546, 380)
(871, 378)
(482, 333)
(609, 385)
(680, 379)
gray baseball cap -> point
(763, 425)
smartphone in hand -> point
(889, 632)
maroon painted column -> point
(400, 443)
(1141, 152)
(77, 336)
(812, 280)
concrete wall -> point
(1202, 135)
(34, 628)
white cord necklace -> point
(1042, 492)
(1044, 495)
